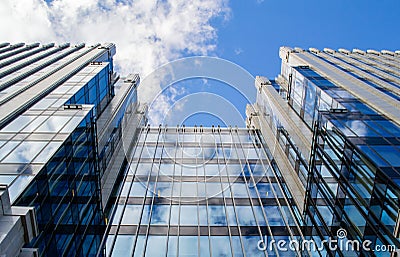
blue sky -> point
(150, 33)
(257, 29)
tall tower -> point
(60, 120)
(336, 115)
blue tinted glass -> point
(160, 214)
(117, 214)
(53, 124)
(188, 215)
(123, 245)
(245, 216)
(17, 124)
(25, 152)
(204, 246)
(174, 215)
(131, 215)
(216, 215)
(7, 148)
(188, 246)
(138, 189)
(47, 152)
(388, 153)
(172, 246)
(202, 215)
(156, 246)
(145, 215)
(231, 215)
(385, 128)
(236, 246)
(372, 155)
(274, 216)
(220, 246)
(360, 128)
(250, 246)
(139, 248)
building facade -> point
(81, 174)
(194, 191)
(60, 127)
(336, 116)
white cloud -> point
(238, 51)
(147, 33)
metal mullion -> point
(144, 198)
(233, 198)
(180, 190)
(274, 193)
(223, 195)
(197, 194)
(154, 192)
(171, 196)
(119, 196)
(248, 193)
(206, 198)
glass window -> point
(221, 246)
(17, 124)
(239, 190)
(245, 216)
(48, 152)
(214, 189)
(274, 216)
(373, 156)
(216, 215)
(138, 189)
(202, 209)
(188, 246)
(388, 153)
(160, 215)
(123, 245)
(360, 128)
(188, 189)
(384, 127)
(72, 124)
(174, 215)
(139, 248)
(34, 124)
(131, 215)
(53, 124)
(19, 184)
(156, 246)
(145, 215)
(25, 152)
(117, 215)
(188, 215)
(44, 103)
(204, 246)
(250, 244)
(7, 179)
(7, 148)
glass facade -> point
(82, 175)
(51, 157)
(201, 192)
(353, 170)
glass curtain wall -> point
(201, 192)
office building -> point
(81, 174)
(336, 117)
(61, 109)
(202, 192)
